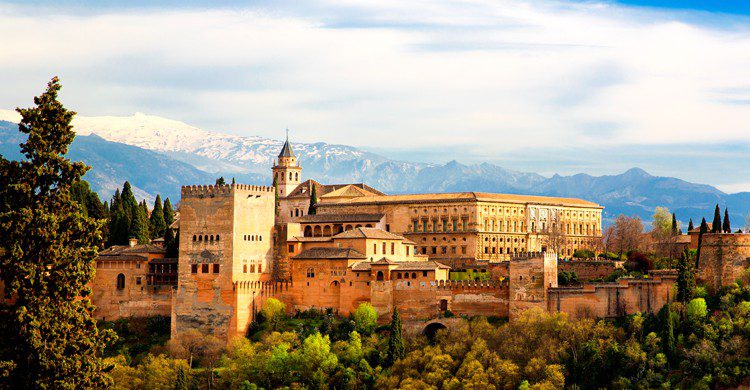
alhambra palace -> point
(242, 244)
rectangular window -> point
(453, 250)
(375, 248)
(407, 250)
(463, 250)
(216, 268)
(443, 250)
(465, 224)
(445, 225)
(424, 273)
(387, 227)
(424, 226)
(204, 268)
(383, 248)
(455, 223)
(434, 250)
(138, 280)
(244, 268)
(415, 228)
(291, 248)
(424, 250)
(194, 268)
(393, 248)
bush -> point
(565, 278)
(584, 254)
(365, 318)
(696, 310)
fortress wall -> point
(135, 300)
(587, 270)
(422, 299)
(724, 258)
(627, 296)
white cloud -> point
(496, 76)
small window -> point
(138, 280)
(200, 238)
(413, 275)
(310, 272)
(291, 248)
(424, 273)
(216, 268)
(120, 281)
(218, 238)
(244, 268)
(138, 265)
(194, 268)
(406, 275)
(204, 268)
(195, 238)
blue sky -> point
(543, 85)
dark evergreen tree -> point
(313, 209)
(233, 182)
(726, 226)
(157, 226)
(690, 225)
(716, 225)
(674, 225)
(666, 321)
(396, 348)
(685, 278)
(139, 224)
(703, 230)
(168, 213)
(47, 257)
(181, 382)
(172, 243)
(220, 181)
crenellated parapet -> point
(203, 191)
(471, 284)
(268, 287)
(530, 255)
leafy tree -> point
(661, 222)
(168, 213)
(157, 225)
(365, 318)
(395, 340)
(667, 331)
(685, 277)
(726, 226)
(315, 361)
(716, 225)
(274, 311)
(47, 254)
(313, 202)
(696, 310)
(690, 225)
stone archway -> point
(431, 329)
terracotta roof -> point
(349, 191)
(385, 261)
(119, 257)
(420, 266)
(304, 189)
(311, 239)
(330, 253)
(464, 197)
(362, 266)
(319, 218)
(127, 249)
(165, 260)
(374, 233)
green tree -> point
(139, 224)
(47, 256)
(181, 382)
(716, 225)
(315, 361)
(168, 213)
(726, 226)
(172, 243)
(690, 225)
(696, 310)
(274, 311)
(685, 277)
(703, 230)
(365, 318)
(396, 349)
(313, 202)
(667, 331)
(662, 222)
(674, 224)
(157, 226)
(221, 182)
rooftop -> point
(321, 218)
(304, 189)
(465, 197)
(329, 253)
(372, 233)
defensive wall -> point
(724, 258)
(587, 269)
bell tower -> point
(286, 171)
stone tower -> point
(287, 171)
(226, 242)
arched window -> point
(291, 213)
(398, 275)
(406, 275)
(195, 238)
(212, 237)
(379, 276)
(218, 238)
(296, 212)
(413, 275)
(296, 176)
(200, 238)
(120, 281)
(310, 272)
(290, 176)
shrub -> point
(696, 310)
(584, 254)
(365, 318)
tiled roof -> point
(349, 191)
(320, 218)
(362, 266)
(465, 196)
(118, 257)
(385, 261)
(304, 189)
(286, 150)
(127, 249)
(330, 253)
(420, 266)
(374, 233)
(311, 239)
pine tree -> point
(674, 225)
(181, 382)
(139, 225)
(48, 249)
(395, 340)
(685, 278)
(220, 181)
(726, 226)
(690, 225)
(313, 202)
(168, 213)
(157, 226)
(716, 225)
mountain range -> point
(158, 155)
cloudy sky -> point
(545, 86)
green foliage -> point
(685, 277)
(220, 181)
(469, 274)
(171, 243)
(584, 254)
(136, 337)
(139, 224)
(168, 213)
(726, 225)
(313, 209)
(395, 340)
(716, 225)
(48, 247)
(696, 310)
(273, 311)
(661, 222)
(365, 318)
(157, 225)
(565, 278)
(181, 382)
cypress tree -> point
(716, 225)
(48, 248)
(674, 225)
(685, 278)
(168, 213)
(181, 382)
(667, 331)
(726, 225)
(171, 242)
(395, 340)
(313, 202)
(139, 225)
(690, 225)
(220, 181)
(233, 182)
(703, 230)
(157, 226)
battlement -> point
(531, 255)
(202, 191)
(471, 284)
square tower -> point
(226, 239)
